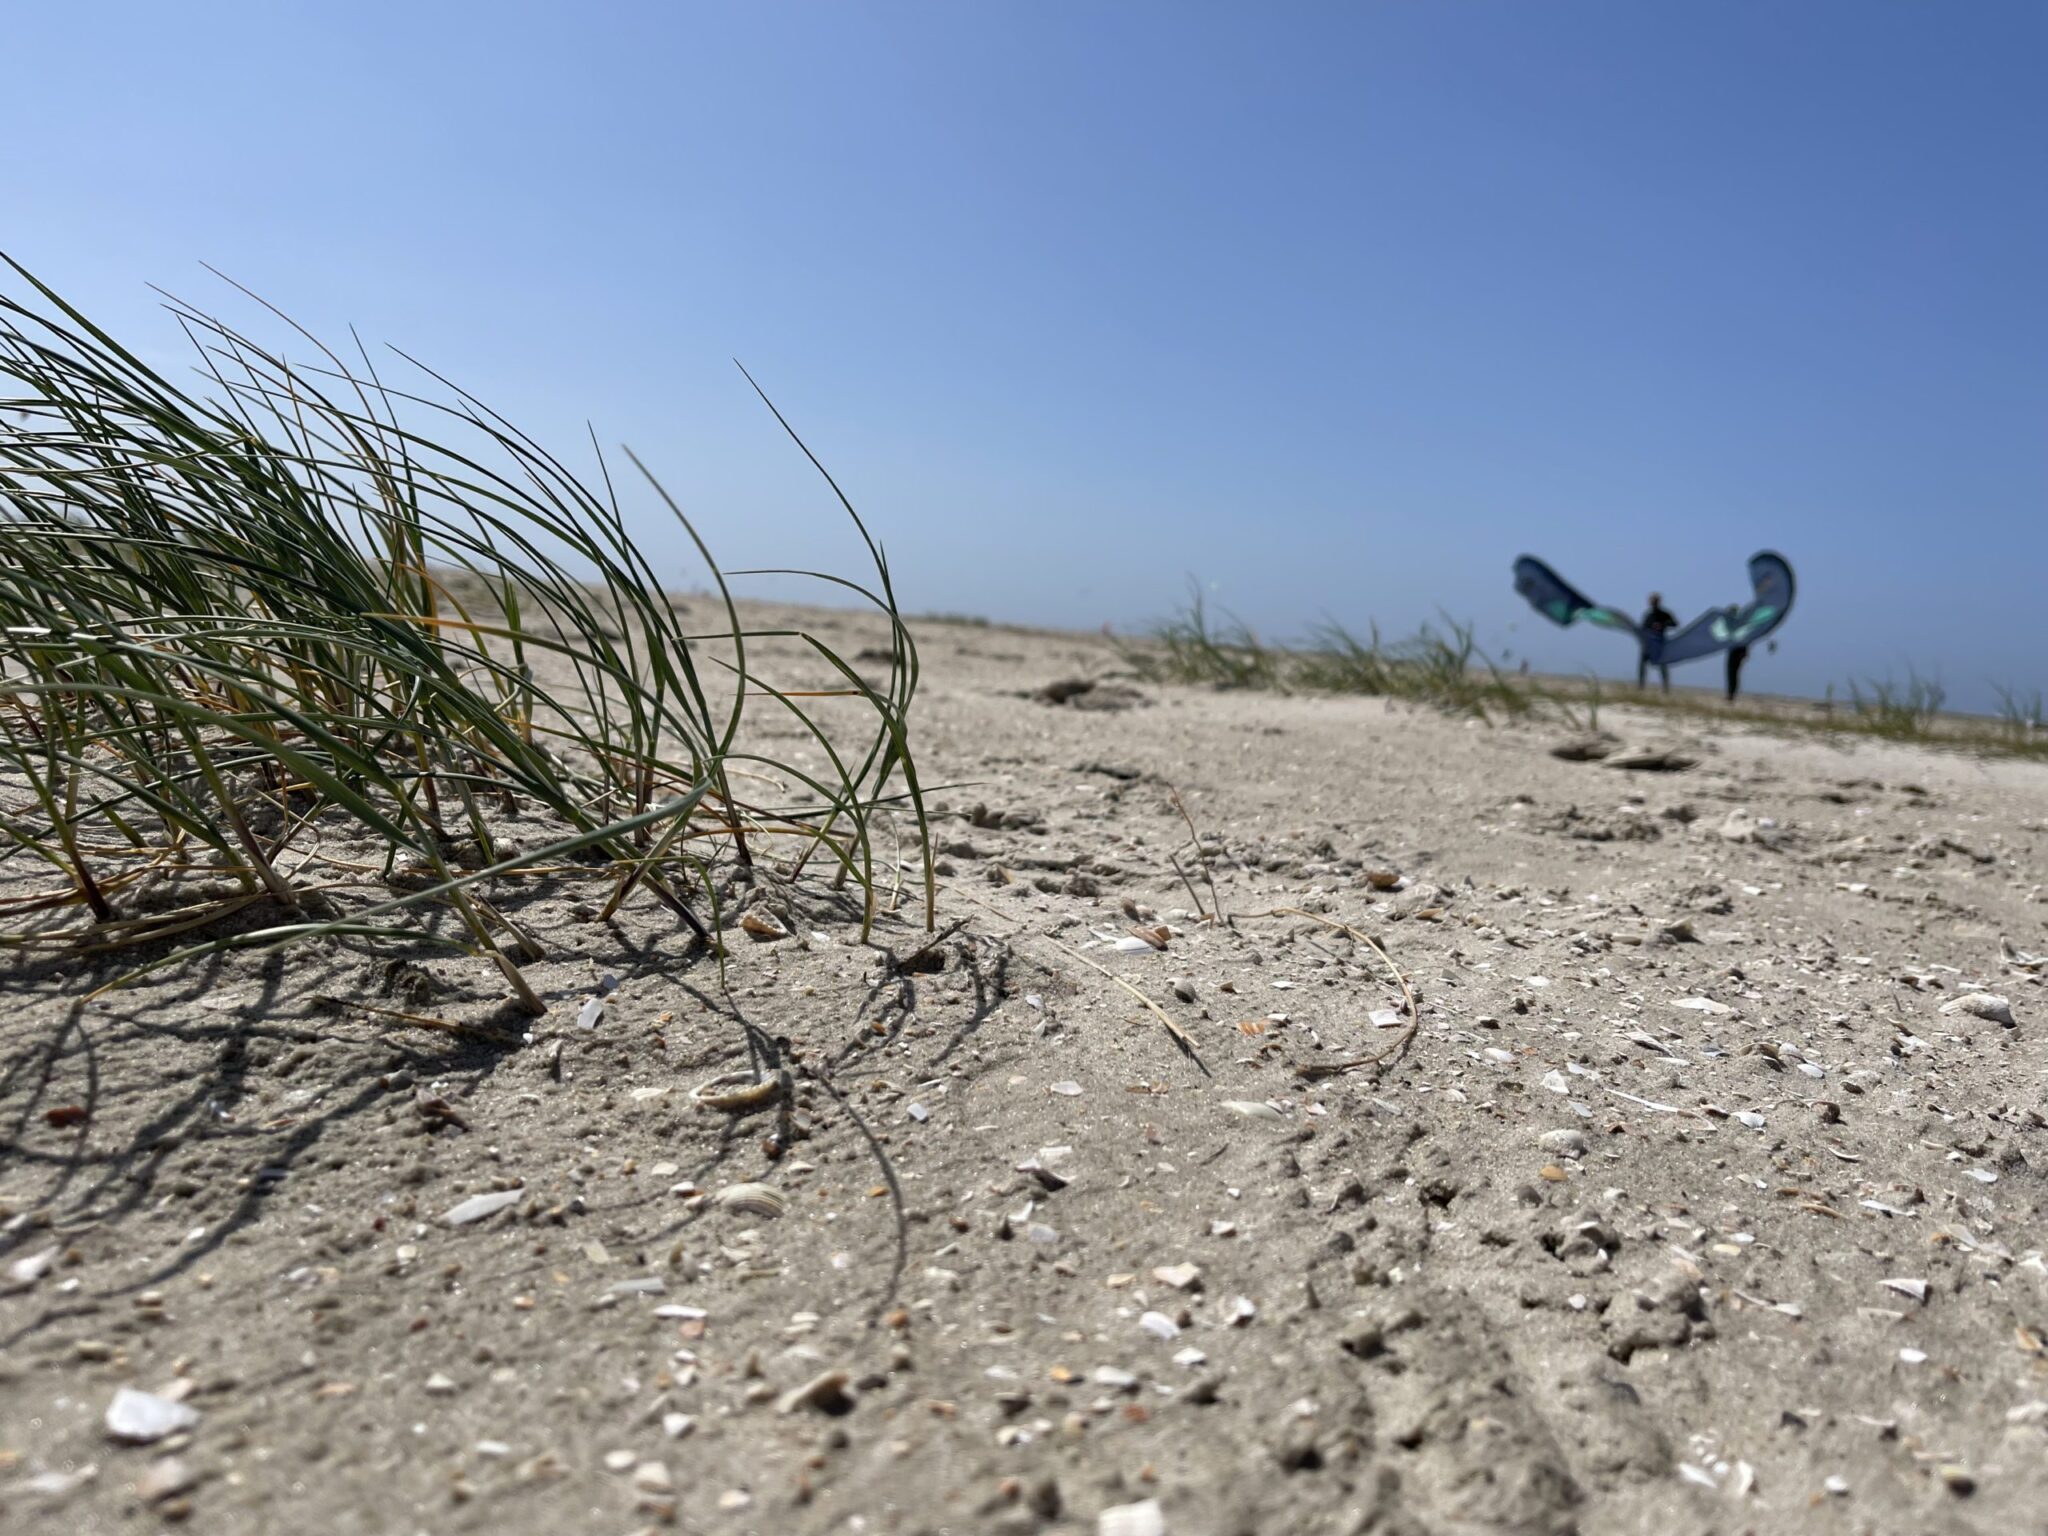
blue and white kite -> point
(1718, 629)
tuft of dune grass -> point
(288, 606)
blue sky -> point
(1338, 307)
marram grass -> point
(291, 607)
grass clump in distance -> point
(1444, 668)
(1899, 711)
(296, 644)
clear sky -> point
(1338, 307)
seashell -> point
(1141, 1519)
(1383, 879)
(763, 926)
(760, 1199)
(1917, 1289)
(825, 1393)
(1982, 1005)
(1253, 1109)
(740, 1093)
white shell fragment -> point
(477, 1207)
(1702, 1005)
(759, 1199)
(1917, 1289)
(1253, 1109)
(1159, 1325)
(588, 1015)
(1145, 1519)
(142, 1417)
(1988, 1006)
(27, 1271)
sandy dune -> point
(1695, 1203)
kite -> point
(1718, 629)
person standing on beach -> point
(1737, 655)
(1657, 623)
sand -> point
(1686, 1208)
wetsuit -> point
(1737, 655)
(1657, 623)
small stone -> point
(1182, 1277)
(677, 1425)
(1958, 1480)
(1159, 1325)
(1240, 1312)
(619, 1461)
(441, 1385)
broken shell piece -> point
(1159, 1325)
(588, 1015)
(763, 927)
(1182, 1277)
(1048, 1177)
(143, 1417)
(1981, 1005)
(739, 1093)
(825, 1393)
(1145, 1519)
(27, 1271)
(1917, 1289)
(1383, 879)
(1565, 1142)
(1156, 936)
(1253, 1109)
(1239, 1312)
(760, 1199)
(477, 1207)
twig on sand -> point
(421, 1020)
(1216, 899)
(1377, 1058)
(1193, 895)
(1181, 1037)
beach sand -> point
(1686, 1208)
